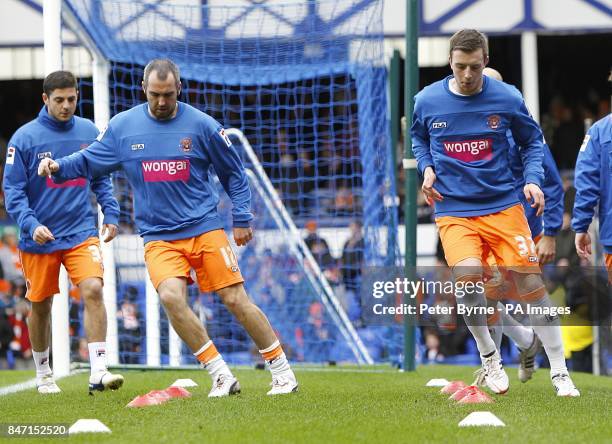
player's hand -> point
(242, 236)
(42, 235)
(109, 231)
(47, 167)
(546, 249)
(534, 195)
(583, 245)
(430, 193)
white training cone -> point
(478, 419)
(437, 383)
(88, 426)
(184, 383)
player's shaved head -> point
(162, 86)
(162, 67)
(492, 73)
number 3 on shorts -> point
(526, 246)
(96, 254)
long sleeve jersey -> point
(552, 187)
(33, 201)
(168, 164)
(592, 181)
(464, 139)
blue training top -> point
(464, 139)
(592, 181)
(33, 201)
(168, 164)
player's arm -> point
(553, 213)
(98, 159)
(553, 192)
(15, 183)
(528, 135)
(232, 176)
(103, 189)
(422, 153)
(587, 184)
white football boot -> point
(564, 386)
(283, 383)
(46, 385)
(224, 385)
(493, 374)
(104, 380)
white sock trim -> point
(204, 347)
(272, 347)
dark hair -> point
(469, 40)
(59, 80)
(163, 67)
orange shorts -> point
(505, 234)
(609, 266)
(41, 271)
(489, 260)
(209, 254)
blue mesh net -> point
(306, 83)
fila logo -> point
(438, 125)
(45, 154)
(138, 146)
(229, 257)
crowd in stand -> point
(15, 348)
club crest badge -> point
(493, 121)
(186, 144)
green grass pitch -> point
(333, 405)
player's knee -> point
(494, 292)
(529, 284)
(234, 298)
(468, 269)
(172, 299)
(91, 290)
(42, 308)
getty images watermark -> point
(431, 296)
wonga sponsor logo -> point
(469, 150)
(79, 182)
(165, 170)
